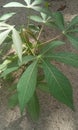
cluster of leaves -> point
(36, 56)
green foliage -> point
(17, 43)
(32, 58)
(51, 46)
(59, 85)
(73, 40)
(65, 57)
(33, 107)
(59, 20)
(29, 4)
(6, 16)
(26, 85)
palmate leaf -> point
(33, 107)
(59, 85)
(17, 43)
(35, 5)
(26, 85)
(51, 46)
(65, 57)
(73, 40)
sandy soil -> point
(54, 115)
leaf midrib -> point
(57, 83)
(62, 57)
(27, 83)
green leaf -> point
(3, 28)
(43, 87)
(36, 18)
(31, 34)
(34, 28)
(43, 19)
(3, 66)
(73, 40)
(6, 16)
(26, 59)
(73, 30)
(59, 85)
(46, 17)
(13, 101)
(29, 4)
(59, 20)
(36, 8)
(3, 24)
(35, 5)
(26, 85)
(8, 71)
(14, 4)
(8, 66)
(17, 43)
(65, 57)
(33, 107)
(73, 22)
(3, 35)
(51, 46)
(13, 62)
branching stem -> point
(51, 40)
(40, 32)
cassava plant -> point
(35, 57)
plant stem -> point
(38, 37)
(31, 50)
(51, 40)
(40, 32)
